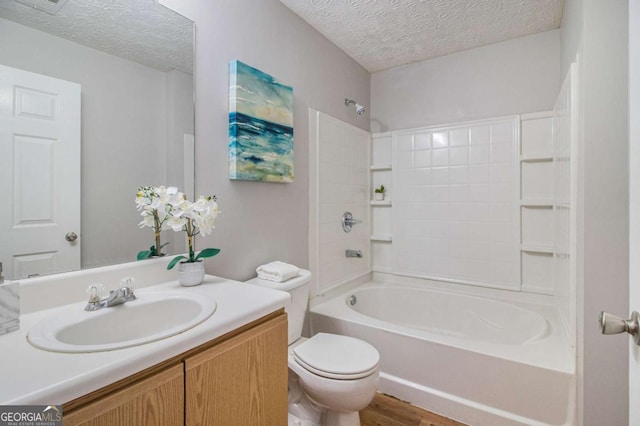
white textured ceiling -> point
(382, 34)
(138, 30)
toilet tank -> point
(298, 289)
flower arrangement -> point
(167, 208)
(194, 218)
(154, 204)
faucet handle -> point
(127, 285)
(95, 292)
(128, 282)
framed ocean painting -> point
(260, 126)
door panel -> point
(634, 202)
(39, 173)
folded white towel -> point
(277, 271)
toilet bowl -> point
(337, 373)
(331, 377)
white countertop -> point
(34, 376)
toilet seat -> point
(337, 357)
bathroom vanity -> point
(230, 367)
(241, 376)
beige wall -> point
(511, 77)
(261, 222)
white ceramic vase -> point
(190, 274)
(378, 196)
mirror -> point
(132, 63)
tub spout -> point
(353, 253)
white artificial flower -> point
(175, 212)
(147, 220)
(161, 200)
(204, 213)
(206, 224)
(177, 223)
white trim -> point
(451, 406)
(634, 200)
(314, 202)
(536, 115)
(454, 125)
(380, 168)
(340, 288)
(381, 135)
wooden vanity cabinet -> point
(237, 379)
(242, 381)
(155, 400)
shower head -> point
(359, 108)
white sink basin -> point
(152, 316)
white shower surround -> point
(339, 164)
(455, 202)
(433, 368)
(565, 155)
(530, 229)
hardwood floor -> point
(386, 410)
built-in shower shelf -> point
(380, 167)
(536, 248)
(381, 238)
(384, 203)
(536, 158)
(537, 203)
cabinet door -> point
(157, 400)
(242, 381)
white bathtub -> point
(478, 360)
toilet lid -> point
(335, 356)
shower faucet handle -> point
(348, 221)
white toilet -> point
(338, 374)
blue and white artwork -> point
(260, 126)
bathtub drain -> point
(353, 300)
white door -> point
(39, 174)
(634, 202)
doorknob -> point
(611, 324)
(71, 236)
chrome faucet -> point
(348, 221)
(120, 296)
(116, 297)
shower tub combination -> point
(478, 360)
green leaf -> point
(208, 252)
(175, 261)
(144, 254)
